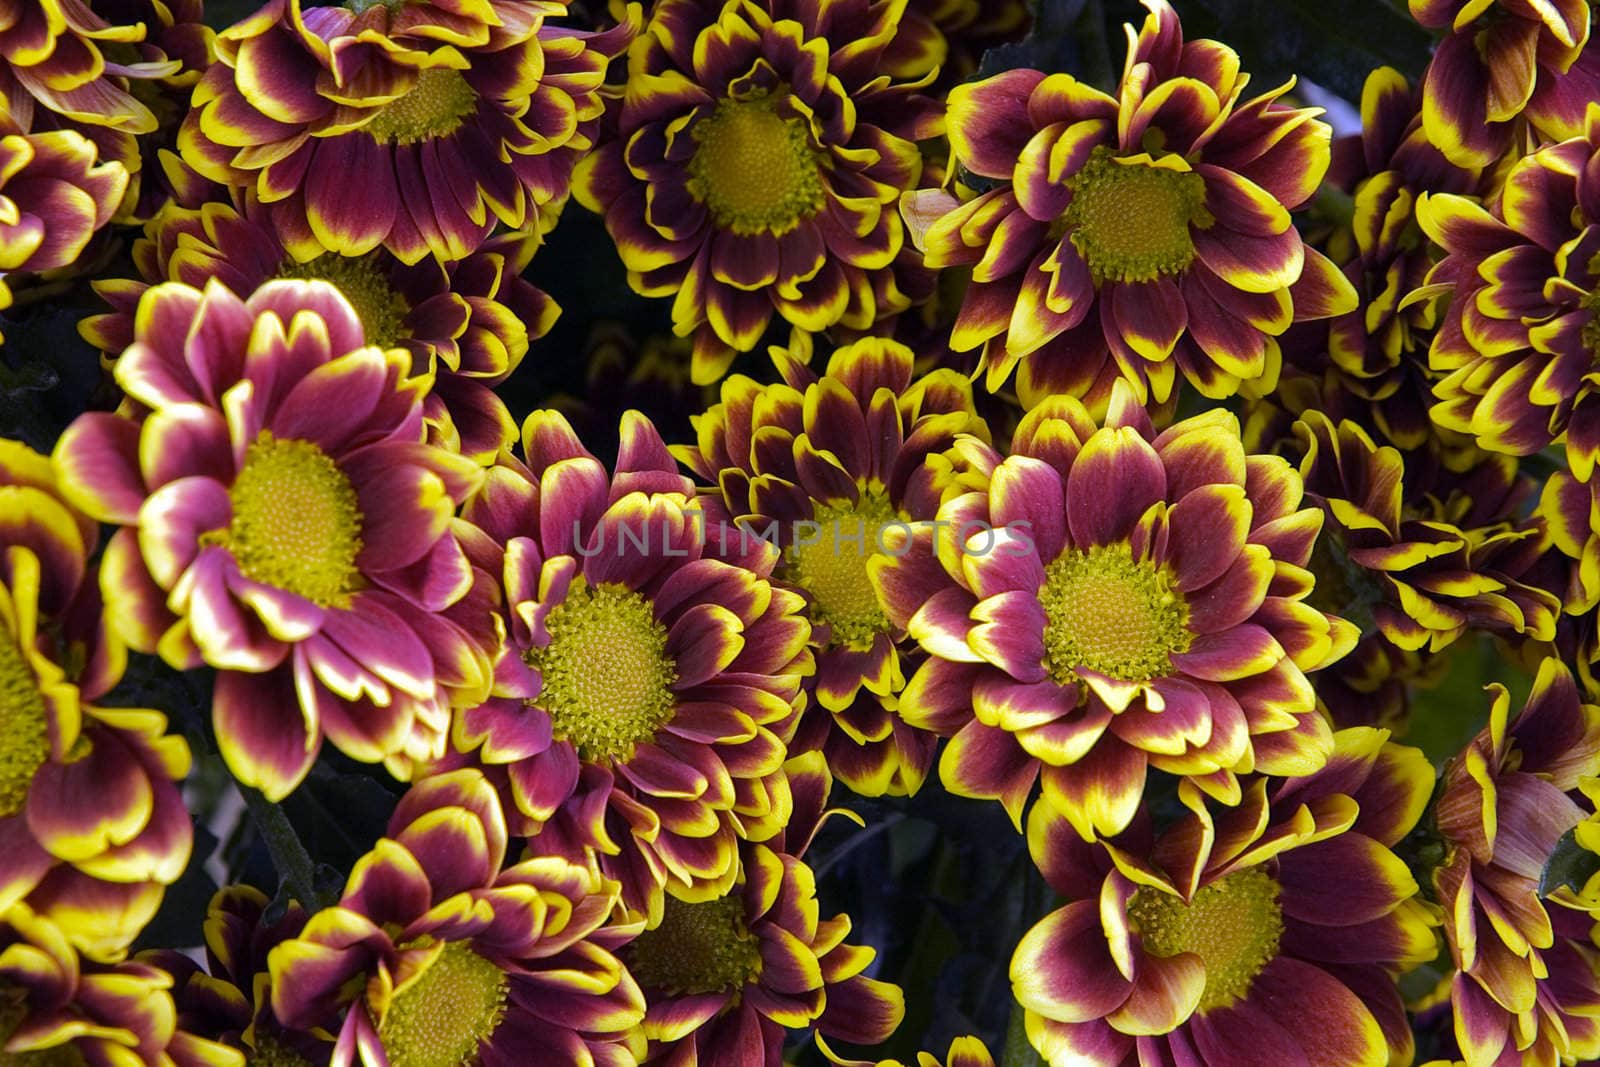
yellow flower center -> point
(698, 948)
(440, 1019)
(436, 106)
(270, 1052)
(296, 521)
(607, 678)
(13, 1013)
(1233, 925)
(755, 170)
(1131, 221)
(832, 568)
(24, 725)
(1111, 613)
(363, 282)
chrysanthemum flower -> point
(282, 520)
(1378, 351)
(952, 36)
(1138, 235)
(1112, 600)
(452, 115)
(1267, 933)
(230, 997)
(468, 324)
(1571, 513)
(1436, 575)
(92, 825)
(1520, 344)
(624, 371)
(435, 957)
(758, 159)
(641, 709)
(726, 979)
(1527, 974)
(176, 39)
(57, 1009)
(826, 462)
(54, 196)
(1501, 61)
(63, 61)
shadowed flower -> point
(1378, 351)
(953, 35)
(1502, 60)
(92, 825)
(61, 61)
(964, 1052)
(1133, 236)
(468, 323)
(454, 115)
(282, 520)
(54, 196)
(827, 462)
(1571, 513)
(1520, 341)
(641, 709)
(1527, 981)
(1111, 600)
(57, 1010)
(756, 166)
(436, 957)
(1434, 574)
(1271, 932)
(229, 998)
(726, 979)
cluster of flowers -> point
(1143, 512)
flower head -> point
(468, 324)
(1501, 62)
(827, 462)
(92, 825)
(1519, 346)
(454, 115)
(56, 1008)
(1527, 975)
(436, 957)
(1109, 600)
(641, 709)
(726, 979)
(54, 196)
(756, 165)
(281, 519)
(1432, 573)
(1136, 235)
(1269, 932)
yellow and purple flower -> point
(1435, 573)
(1520, 342)
(759, 154)
(54, 196)
(1377, 352)
(1527, 974)
(468, 323)
(1271, 932)
(652, 673)
(56, 1008)
(965, 1051)
(826, 463)
(726, 979)
(1500, 62)
(282, 519)
(436, 957)
(1111, 600)
(229, 998)
(454, 114)
(1135, 236)
(92, 825)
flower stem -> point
(289, 856)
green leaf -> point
(1570, 865)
